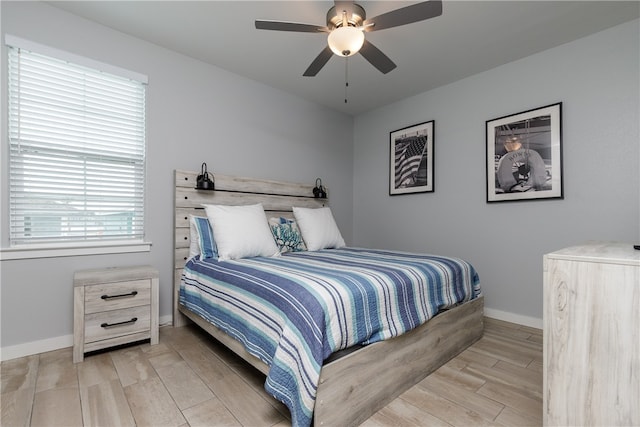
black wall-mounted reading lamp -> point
(203, 182)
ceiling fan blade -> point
(319, 62)
(290, 26)
(406, 15)
(376, 57)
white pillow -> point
(319, 229)
(194, 239)
(241, 231)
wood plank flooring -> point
(189, 379)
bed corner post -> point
(179, 319)
(181, 230)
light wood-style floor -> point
(189, 379)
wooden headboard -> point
(277, 197)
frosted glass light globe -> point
(346, 41)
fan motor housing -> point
(355, 16)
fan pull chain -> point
(346, 79)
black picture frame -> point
(524, 155)
(411, 159)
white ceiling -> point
(469, 37)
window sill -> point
(22, 252)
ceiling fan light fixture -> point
(346, 41)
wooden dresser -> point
(592, 335)
(114, 306)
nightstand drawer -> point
(113, 296)
(115, 323)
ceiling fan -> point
(346, 25)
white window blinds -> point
(77, 152)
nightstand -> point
(114, 306)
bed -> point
(348, 388)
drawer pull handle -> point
(130, 294)
(127, 322)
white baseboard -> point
(35, 347)
(532, 322)
(50, 344)
(166, 320)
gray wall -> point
(596, 78)
(196, 112)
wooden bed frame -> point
(355, 386)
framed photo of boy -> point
(524, 155)
(411, 159)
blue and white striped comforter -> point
(293, 311)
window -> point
(76, 150)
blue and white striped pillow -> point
(202, 236)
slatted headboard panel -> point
(277, 198)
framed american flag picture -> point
(411, 159)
